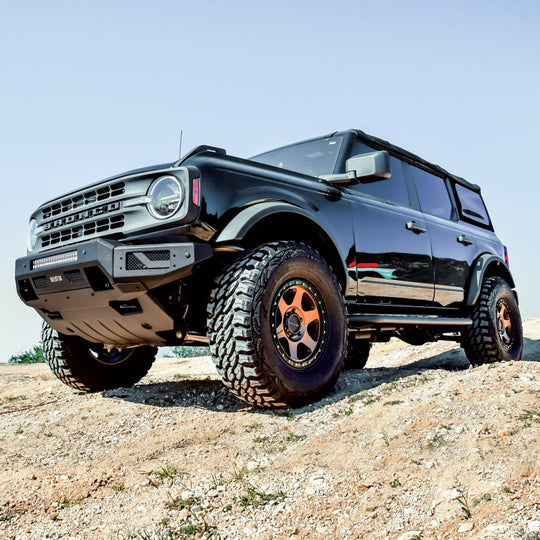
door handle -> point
(415, 227)
(462, 239)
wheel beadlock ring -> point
(299, 324)
(503, 319)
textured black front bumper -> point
(98, 289)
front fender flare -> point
(240, 225)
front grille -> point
(84, 199)
(80, 231)
(115, 208)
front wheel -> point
(277, 326)
(89, 366)
(496, 333)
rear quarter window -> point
(471, 206)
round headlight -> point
(166, 196)
(32, 235)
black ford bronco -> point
(289, 264)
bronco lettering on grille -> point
(80, 216)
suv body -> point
(290, 264)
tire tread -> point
(235, 337)
(480, 342)
(66, 359)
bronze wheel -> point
(278, 326)
(298, 323)
(504, 324)
(496, 333)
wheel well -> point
(497, 269)
(289, 226)
(493, 267)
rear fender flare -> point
(486, 265)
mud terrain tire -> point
(89, 367)
(277, 326)
(496, 333)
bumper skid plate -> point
(97, 289)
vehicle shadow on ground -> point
(207, 394)
(210, 394)
(354, 382)
(531, 350)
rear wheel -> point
(277, 326)
(496, 333)
(89, 366)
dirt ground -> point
(415, 446)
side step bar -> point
(360, 321)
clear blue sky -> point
(91, 89)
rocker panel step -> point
(358, 321)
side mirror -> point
(369, 167)
(363, 168)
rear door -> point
(459, 233)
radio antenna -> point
(180, 147)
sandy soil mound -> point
(417, 445)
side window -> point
(361, 148)
(393, 189)
(432, 193)
(471, 205)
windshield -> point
(314, 158)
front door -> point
(393, 253)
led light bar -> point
(70, 256)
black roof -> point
(409, 156)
